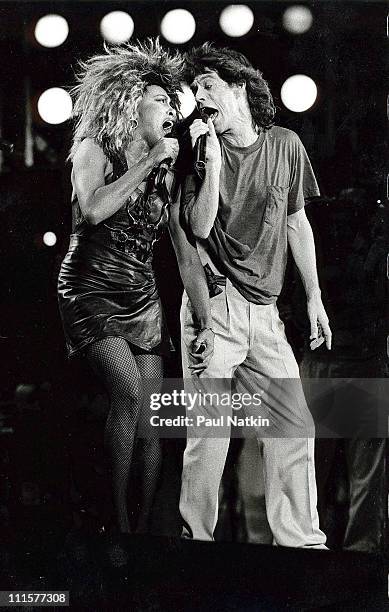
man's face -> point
(156, 116)
(211, 91)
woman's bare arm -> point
(99, 201)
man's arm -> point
(300, 238)
(195, 283)
(200, 208)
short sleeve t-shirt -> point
(260, 185)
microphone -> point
(163, 169)
(200, 150)
(165, 164)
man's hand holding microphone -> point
(203, 137)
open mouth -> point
(207, 112)
(167, 126)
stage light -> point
(299, 93)
(297, 19)
(51, 30)
(187, 101)
(117, 27)
(49, 239)
(236, 20)
(55, 105)
(178, 26)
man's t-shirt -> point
(260, 186)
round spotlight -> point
(49, 239)
(187, 101)
(55, 105)
(51, 30)
(299, 93)
(117, 27)
(236, 20)
(178, 26)
(297, 19)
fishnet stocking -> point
(122, 373)
(149, 454)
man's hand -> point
(202, 351)
(213, 153)
(318, 316)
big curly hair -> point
(234, 67)
(110, 87)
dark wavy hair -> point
(233, 67)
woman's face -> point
(156, 116)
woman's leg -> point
(149, 452)
(113, 361)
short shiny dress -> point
(106, 284)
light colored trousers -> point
(251, 347)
